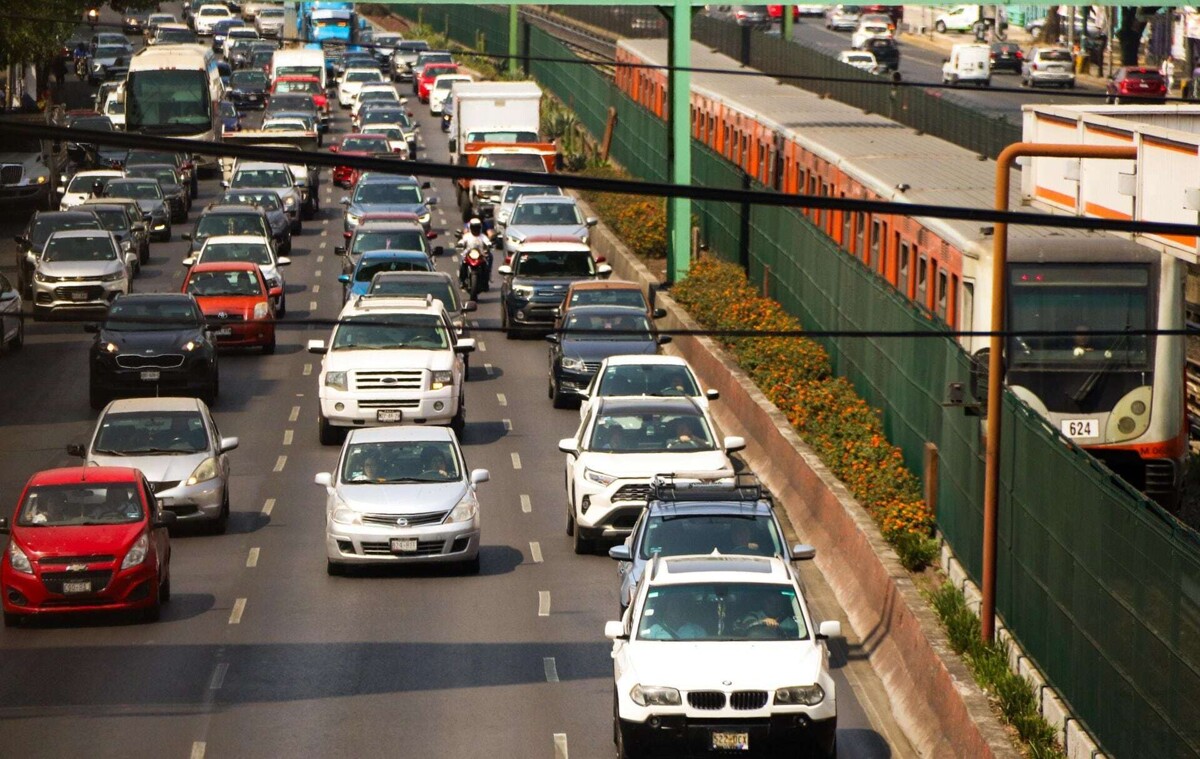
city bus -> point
(173, 91)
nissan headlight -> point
(654, 695)
(206, 471)
(800, 695)
(18, 560)
(524, 291)
(137, 552)
(261, 311)
(600, 478)
(439, 380)
(464, 511)
(573, 364)
(336, 380)
(116, 276)
(343, 515)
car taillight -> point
(1020, 55)
(1033, 66)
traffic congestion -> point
(327, 448)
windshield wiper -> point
(152, 452)
(411, 479)
(109, 452)
(1085, 389)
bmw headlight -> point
(600, 478)
(137, 552)
(18, 560)
(206, 471)
(439, 380)
(336, 380)
(654, 695)
(464, 511)
(800, 695)
(343, 515)
(573, 364)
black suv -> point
(152, 345)
(536, 282)
(589, 335)
(885, 50)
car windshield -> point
(388, 193)
(412, 46)
(377, 113)
(151, 156)
(368, 268)
(647, 379)
(215, 283)
(390, 332)
(364, 76)
(268, 200)
(1063, 56)
(398, 239)
(512, 162)
(556, 214)
(445, 84)
(299, 71)
(60, 249)
(556, 264)
(606, 326)
(1144, 74)
(97, 123)
(111, 51)
(262, 178)
(514, 191)
(248, 252)
(286, 125)
(271, 13)
(176, 35)
(113, 219)
(227, 110)
(164, 176)
(439, 288)
(81, 504)
(684, 534)
(231, 224)
(641, 432)
(725, 611)
(151, 432)
(603, 297)
(310, 87)
(365, 144)
(137, 315)
(84, 184)
(135, 190)
(209, 10)
(394, 462)
(44, 226)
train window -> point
(943, 294)
(952, 301)
(922, 279)
(931, 302)
(726, 128)
(812, 190)
(822, 214)
(902, 268)
(847, 228)
(860, 233)
(968, 305)
(877, 234)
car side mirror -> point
(19, 240)
(228, 444)
(426, 185)
(614, 629)
(77, 450)
(803, 552)
(284, 261)
(479, 476)
(225, 183)
(3, 525)
(91, 327)
(334, 149)
(453, 146)
(324, 479)
(186, 235)
(317, 347)
(733, 443)
(465, 346)
(345, 201)
(592, 221)
(569, 445)
(340, 250)
(470, 306)
(505, 270)
(165, 519)
(604, 270)
(664, 339)
(829, 629)
(344, 279)
(658, 313)
(712, 395)
(620, 553)
(432, 200)
(438, 250)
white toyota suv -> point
(621, 446)
(391, 361)
(720, 654)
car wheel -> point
(210, 396)
(557, 398)
(471, 566)
(570, 516)
(269, 347)
(581, 544)
(940, 27)
(144, 255)
(459, 422)
(334, 570)
(40, 313)
(12, 620)
(298, 227)
(97, 398)
(326, 432)
(282, 310)
(221, 524)
(164, 593)
(152, 612)
(166, 235)
(19, 340)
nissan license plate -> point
(404, 545)
(388, 416)
(77, 587)
(151, 375)
(731, 741)
(1076, 428)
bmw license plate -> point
(404, 545)
(77, 587)
(388, 416)
(731, 741)
(151, 375)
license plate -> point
(1076, 428)
(390, 416)
(151, 376)
(404, 545)
(77, 587)
(224, 332)
(78, 295)
(731, 741)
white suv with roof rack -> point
(391, 361)
(721, 654)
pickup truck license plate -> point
(151, 375)
(731, 741)
(404, 545)
(77, 587)
(1075, 428)
(387, 415)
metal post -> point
(995, 398)
(679, 215)
(785, 20)
(513, 35)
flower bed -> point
(640, 221)
(794, 373)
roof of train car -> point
(878, 152)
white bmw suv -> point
(720, 654)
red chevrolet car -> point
(234, 299)
(308, 85)
(86, 539)
(1132, 84)
(429, 73)
(357, 144)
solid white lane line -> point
(550, 668)
(268, 505)
(239, 607)
(287, 436)
(312, 305)
(507, 424)
(543, 603)
(488, 369)
(280, 463)
(560, 746)
(516, 459)
(218, 676)
(197, 750)
(535, 550)
(295, 414)
(503, 401)
(252, 557)
(526, 504)
(482, 346)
(307, 369)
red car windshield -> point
(84, 503)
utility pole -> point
(785, 21)
(679, 140)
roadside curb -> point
(937, 704)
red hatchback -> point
(86, 539)
(235, 300)
(1131, 84)
(307, 85)
(357, 144)
(429, 73)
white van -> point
(299, 62)
(968, 64)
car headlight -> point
(42, 179)
(336, 380)
(424, 218)
(207, 470)
(191, 345)
(600, 478)
(352, 218)
(261, 310)
(464, 511)
(511, 240)
(806, 695)
(126, 245)
(97, 67)
(116, 276)
(40, 277)
(654, 695)
(111, 347)
(137, 552)
(18, 560)
(574, 364)
(440, 380)
(502, 217)
(523, 290)
(289, 202)
(343, 515)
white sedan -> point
(249, 249)
(352, 81)
(645, 376)
(859, 59)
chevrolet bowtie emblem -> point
(76, 567)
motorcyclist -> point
(474, 238)
(79, 55)
(98, 188)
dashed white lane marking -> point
(526, 504)
(317, 273)
(198, 748)
(295, 414)
(507, 424)
(239, 608)
(488, 369)
(322, 246)
(316, 289)
(501, 399)
(312, 305)
(268, 505)
(287, 436)
(252, 557)
(543, 603)
(482, 346)
(516, 459)
(320, 259)
(280, 463)
(535, 550)
(218, 676)
(560, 746)
(307, 369)
(550, 668)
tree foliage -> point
(26, 37)
(1133, 25)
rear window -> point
(1055, 55)
(1149, 75)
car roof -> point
(411, 276)
(657, 359)
(170, 403)
(391, 225)
(248, 239)
(81, 233)
(81, 474)
(399, 433)
(261, 165)
(223, 266)
(640, 405)
(542, 245)
(546, 199)
(716, 507)
(368, 304)
(379, 176)
(65, 215)
(677, 570)
(235, 208)
(605, 284)
(90, 173)
(602, 309)
(393, 253)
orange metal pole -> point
(991, 483)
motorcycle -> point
(477, 262)
(81, 67)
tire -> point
(221, 524)
(570, 518)
(269, 348)
(97, 398)
(298, 227)
(40, 314)
(472, 566)
(326, 432)
(940, 27)
(459, 422)
(581, 544)
(19, 340)
(153, 612)
(166, 235)
(282, 310)
(557, 398)
(164, 593)
(144, 256)
(334, 570)
(210, 395)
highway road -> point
(260, 653)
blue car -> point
(387, 193)
(231, 120)
(374, 261)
